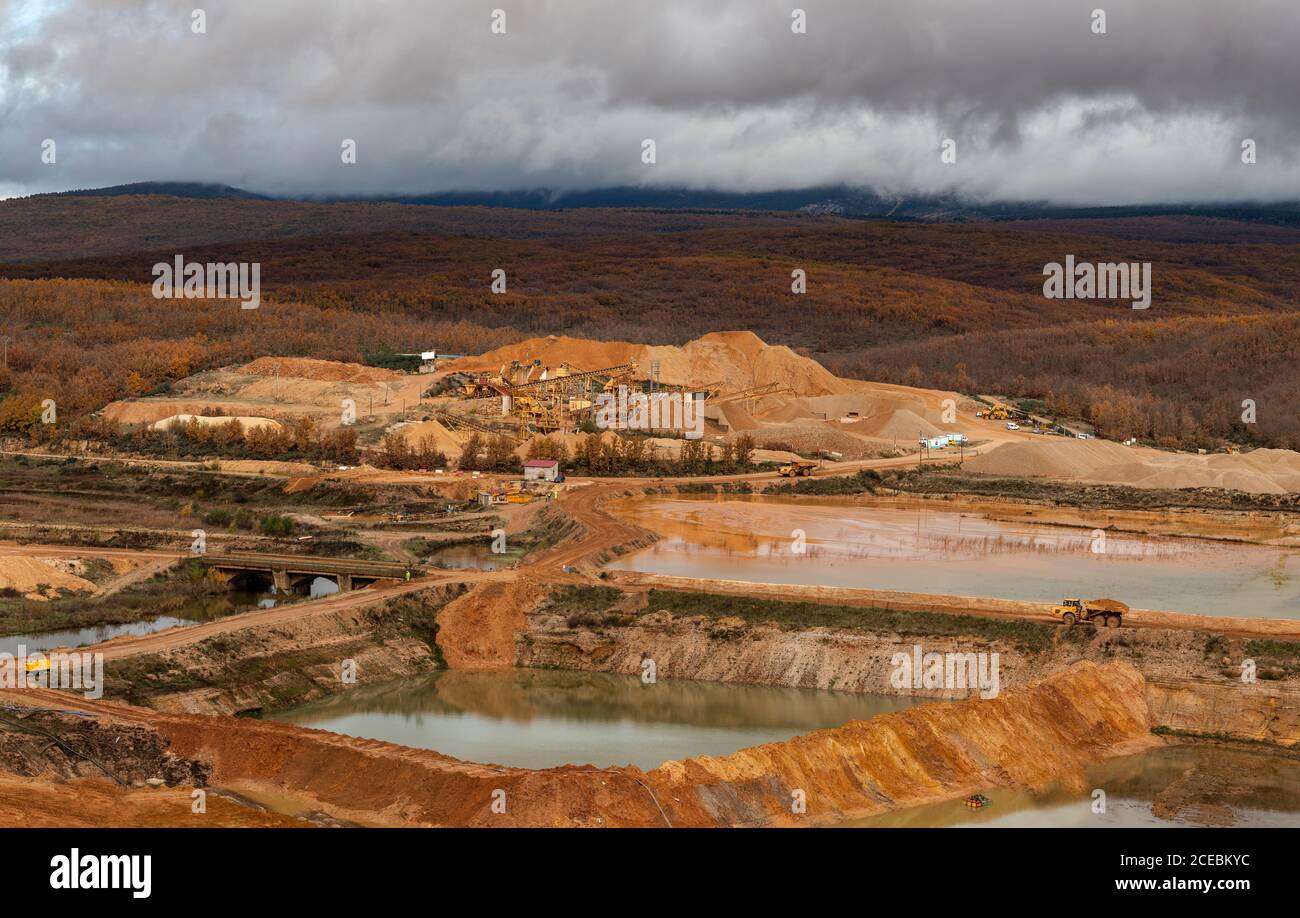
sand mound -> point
(149, 411)
(1105, 462)
(900, 423)
(733, 417)
(266, 467)
(320, 370)
(736, 359)
(28, 575)
(785, 411)
(444, 440)
(249, 423)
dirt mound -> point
(1034, 737)
(266, 467)
(1106, 462)
(149, 411)
(901, 423)
(444, 440)
(319, 370)
(30, 803)
(807, 439)
(738, 360)
(478, 630)
(36, 579)
(248, 422)
(733, 417)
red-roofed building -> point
(541, 470)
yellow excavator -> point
(1108, 613)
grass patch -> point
(1027, 636)
(579, 599)
(864, 481)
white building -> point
(541, 470)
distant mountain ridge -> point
(836, 200)
(174, 189)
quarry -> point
(496, 612)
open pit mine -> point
(834, 602)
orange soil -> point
(27, 574)
(1032, 736)
(32, 803)
(477, 631)
(739, 359)
(319, 370)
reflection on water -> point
(199, 609)
(544, 718)
(928, 551)
(472, 556)
(322, 586)
(79, 637)
(1195, 785)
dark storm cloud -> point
(1040, 107)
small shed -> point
(542, 470)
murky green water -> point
(543, 718)
(472, 556)
(928, 551)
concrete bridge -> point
(291, 572)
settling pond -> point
(934, 551)
(536, 718)
(544, 718)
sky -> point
(1039, 106)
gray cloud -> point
(1155, 110)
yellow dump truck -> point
(800, 467)
(1108, 613)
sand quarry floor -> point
(815, 411)
(42, 576)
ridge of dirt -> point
(319, 370)
(1034, 736)
(477, 631)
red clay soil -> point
(95, 802)
(477, 631)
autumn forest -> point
(955, 306)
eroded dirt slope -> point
(478, 630)
(1031, 737)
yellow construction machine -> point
(801, 468)
(1108, 613)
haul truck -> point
(800, 467)
(1109, 613)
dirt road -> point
(158, 641)
(600, 533)
(1278, 628)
